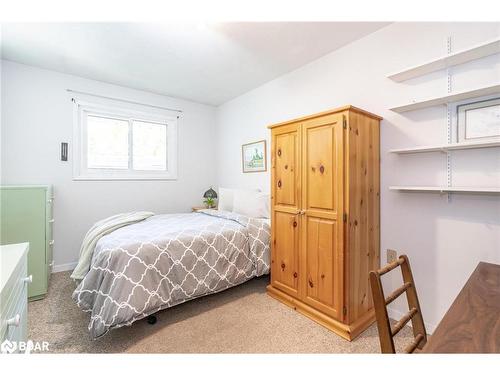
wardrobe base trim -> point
(346, 331)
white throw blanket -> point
(100, 229)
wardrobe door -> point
(285, 204)
(322, 205)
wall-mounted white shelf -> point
(478, 51)
(447, 189)
(446, 147)
(448, 98)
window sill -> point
(124, 178)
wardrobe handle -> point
(295, 275)
(279, 152)
(282, 265)
(321, 169)
(294, 224)
(279, 183)
(311, 283)
(28, 280)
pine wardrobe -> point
(325, 198)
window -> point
(480, 120)
(115, 143)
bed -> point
(166, 260)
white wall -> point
(444, 241)
(37, 117)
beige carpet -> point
(243, 319)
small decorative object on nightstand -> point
(210, 197)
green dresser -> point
(26, 216)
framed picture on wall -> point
(254, 157)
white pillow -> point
(226, 198)
(251, 203)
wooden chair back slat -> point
(411, 348)
(390, 267)
(402, 322)
(386, 332)
(391, 297)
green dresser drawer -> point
(26, 212)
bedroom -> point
(240, 187)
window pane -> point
(483, 122)
(107, 142)
(150, 146)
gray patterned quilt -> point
(169, 259)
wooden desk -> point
(472, 324)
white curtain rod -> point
(123, 100)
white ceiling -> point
(206, 63)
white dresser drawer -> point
(19, 332)
(14, 293)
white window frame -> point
(462, 122)
(82, 109)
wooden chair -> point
(385, 331)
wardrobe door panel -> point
(322, 207)
(320, 173)
(322, 263)
(285, 254)
(286, 154)
(285, 204)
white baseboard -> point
(64, 267)
(396, 315)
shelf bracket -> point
(449, 180)
(448, 122)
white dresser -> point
(13, 296)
